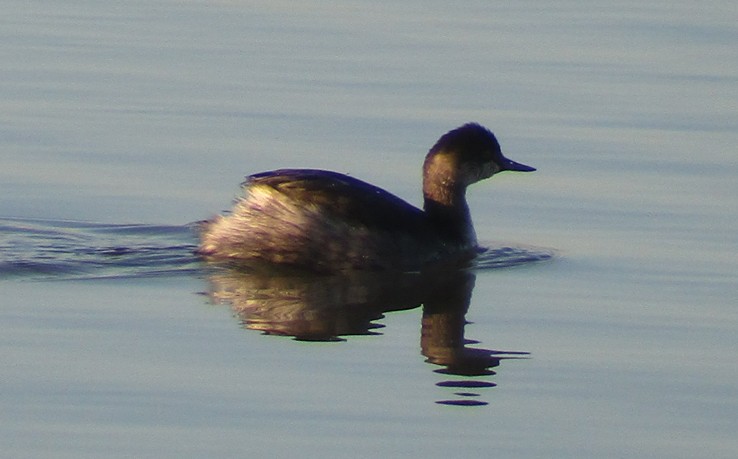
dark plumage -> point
(325, 221)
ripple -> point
(61, 249)
(462, 402)
(466, 384)
(495, 255)
(54, 249)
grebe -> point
(324, 221)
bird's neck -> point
(445, 204)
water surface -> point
(121, 124)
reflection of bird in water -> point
(326, 308)
(314, 308)
(443, 343)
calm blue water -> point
(121, 124)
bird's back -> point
(320, 220)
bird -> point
(326, 222)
